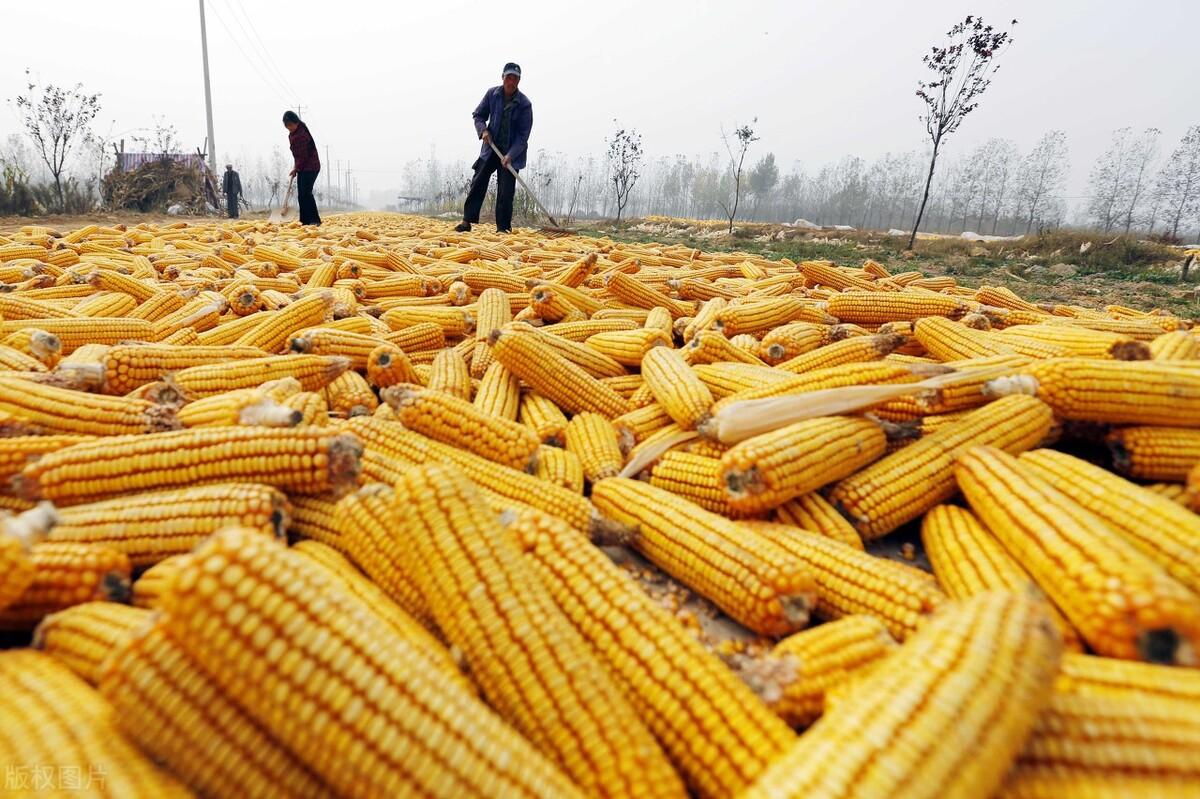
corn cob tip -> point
(1131, 351)
(605, 532)
(1009, 385)
(32, 525)
(1165, 646)
(116, 587)
(269, 413)
(768, 676)
(397, 395)
(300, 344)
(161, 418)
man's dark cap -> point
(511, 69)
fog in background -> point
(389, 87)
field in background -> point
(1059, 266)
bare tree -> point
(744, 136)
(1002, 157)
(1178, 184)
(624, 165)
(1041, 175)
(56, 119)
(962, 71)
(1141, 156)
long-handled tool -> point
(556, 227)
(284, 214)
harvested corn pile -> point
(381, 509)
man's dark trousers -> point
(506, 186)
(231, 205)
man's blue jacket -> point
(487, 114)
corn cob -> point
(446, 418)
(15, 360)
(554, 377)
(1051, 782)
(752, 580)
(1129, 609)
(1191, 495)
(387, 365)
(157, 525)
(272, 332)
(338, 568)
(875, 308)
(59, 727)
(968, 560)
(349, 394)
(53, 410)
(813, 513)
(442, 553)
(632, 291)
(560, 467)
(1089, 390)
(366, 524)
(504, 487)
(82, 635)
(127, 367)
(660, 319)
(709, 346)
(824, 273)
(595, 440)
(696, 478)
(313, 371)
(725, 379)
(451, 375)
(483, 758)
(17, 535)
(814, 661)
(719, 736)
(765, 471)
(1077, 342)
(1088, 675)
(15, 306)
(544, 418)
(66, 574)
(148, 588)
(900, 487)
(246, 406)
(682, 394)
(311, 407)
(16, 451)
(74, 333)
(172, 708)
(451, 321)
(1155, 453)
(326, 341)
(628, 347)
(43, 347)
(302, 460)
(789, 341)
(857, 349)
(107, 304)
(1180, 345)
(978, 672)
(499, 393)
(635, 426)
(705, 318)
(849, 581)
(950, 341)
(1161, 529)
(1115, 735)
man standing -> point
(232, 186)
(504, 117)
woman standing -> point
(307, 165)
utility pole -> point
(212, 143)
(349, 185)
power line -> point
(249, 61)
(266, 51)
(275, 82)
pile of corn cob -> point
(380, 509)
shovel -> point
(284, 214)
(556, 227)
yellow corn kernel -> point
(595, 441)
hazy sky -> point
(380, 83)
